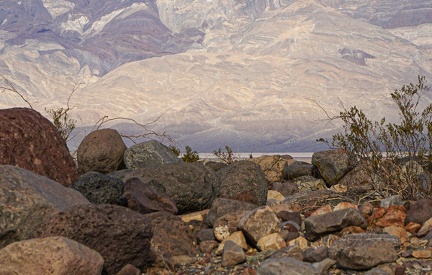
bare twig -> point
(10, 87)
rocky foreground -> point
(141, 210)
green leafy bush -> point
(398, 155)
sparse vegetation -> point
(61, 118)
(226, 156)
(398, 155)
(188, 156)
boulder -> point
(286, 188)
(299, 169)
(101, 151)
(147, 154)
(359, 180)
(274, 167)
(145, 199)
(171, 237)
(53, 255)
(190, 185)
(232, 254)
(282, 265)
(32, 142)
(243, 181)
(419, 211)
(332, 165)
(258, 223)
(364, 251)
(26, 199)
(120, 235)
(100, 188)
(319, 225)
(221, 207)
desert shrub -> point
(190, 156)
(226, 156)
(175, 150)
(398, 155)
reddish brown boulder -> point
(145, 199)
(171, 237)
(120, 235)
(101, 151)
(30, 141)
(419, 211)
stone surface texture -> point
(101, 151)
(26, 199)
(99, 188)
(30, 141)
(147, 154)
(243, 181)
(191, 185)
(119, 234)
(52, 255)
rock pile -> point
(163, 216)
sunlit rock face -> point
(254, 75)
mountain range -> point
(257, 75)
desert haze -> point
(255, 75)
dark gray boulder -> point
(319, 225)
(243, 181)
(26, 199)
(147, 154)
(221, 207)
(364, 251)
(100, 188)
(190, 185)
(332, 165)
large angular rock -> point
(364, 251)
(332, 165)
(190, 185)
(53, 255)
(147, 154)
(171, 237)
(243, 181)
(284, 265)
(30, 141)
(259, 223)
(145, 199)
(221, 207)
(26, 199)
(274, 167)
(100, 188)
(319, 225)
(120, 235)
(101, 151)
